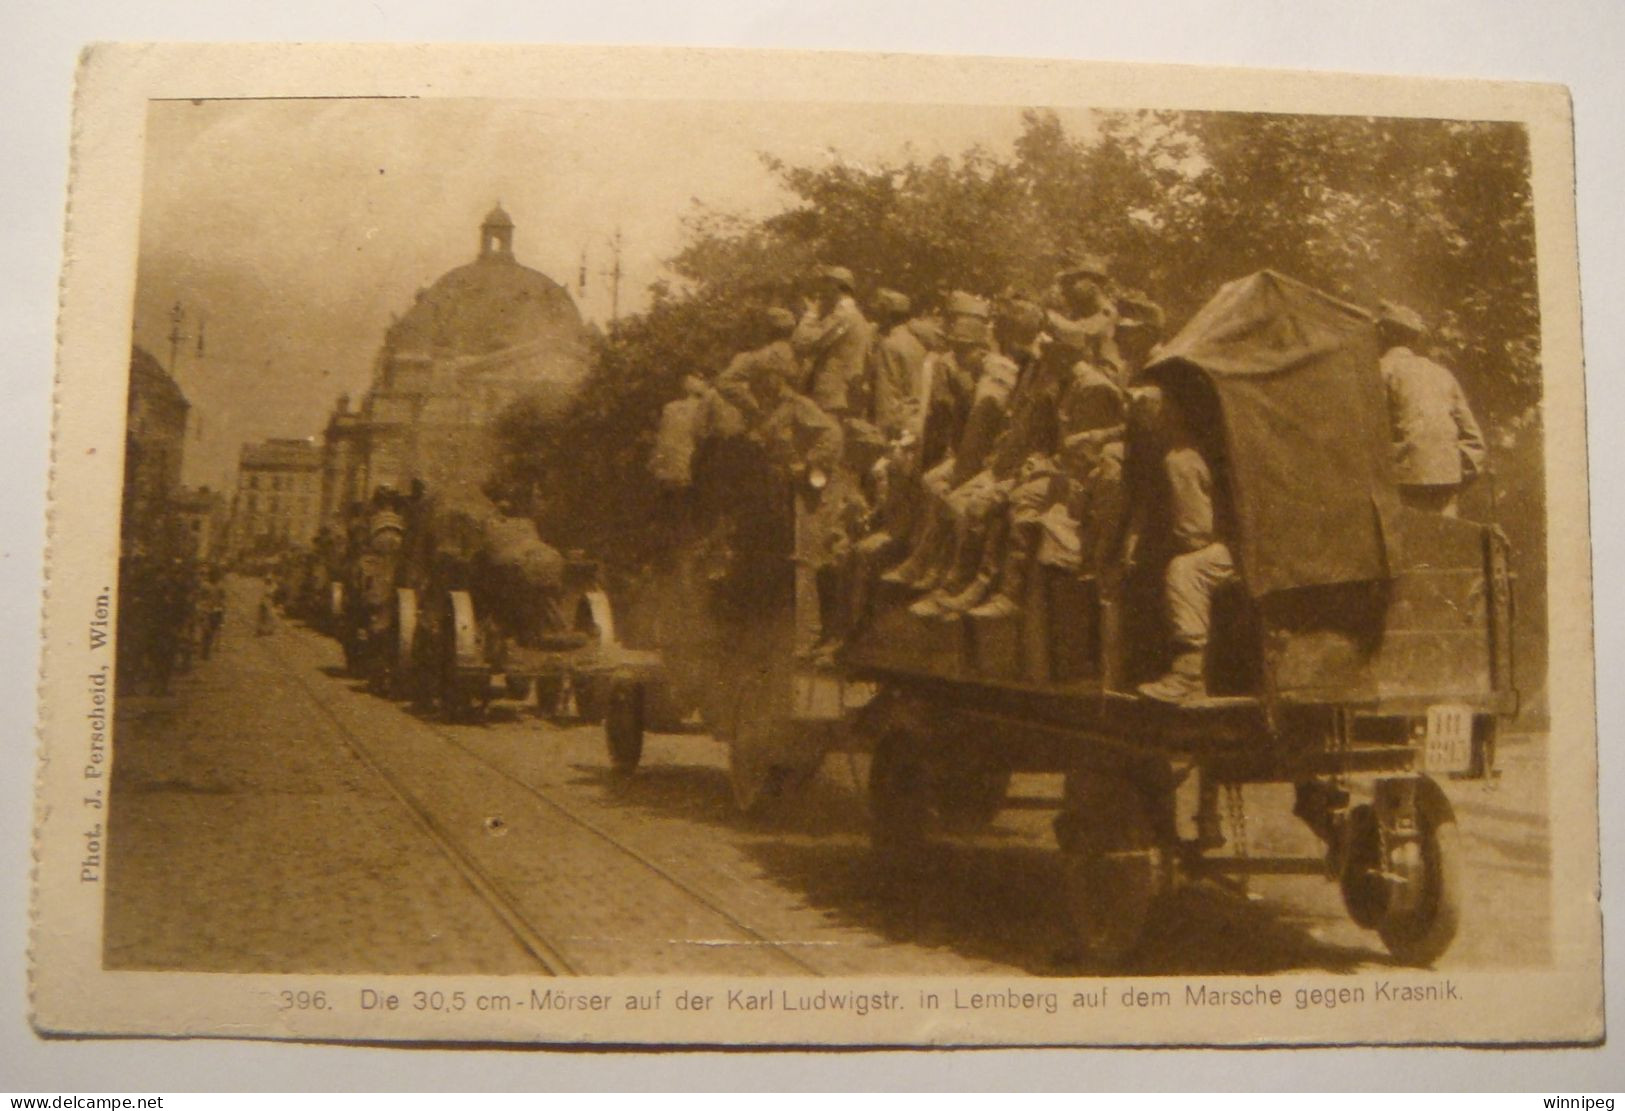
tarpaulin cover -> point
(1305, 424)
(512, 543)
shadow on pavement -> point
(998, 903)
(992, 897)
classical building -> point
(278, 499)
(482, 336)
(154, 437)
(200, 517)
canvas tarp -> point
(1305, 426)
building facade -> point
(154, 440)
(278, 499)
(200, 516)
(481, 337)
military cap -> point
(782, 319)
(1401, 318)
(889, 300)
(840, 275)
(1083, 265)
(928, 332)
(1020, 313)
(961, 303)
(1136, 310)
(966, 328)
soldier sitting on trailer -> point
(1202, 561)
(974, 506)
(994, 377)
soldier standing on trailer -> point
(896, 368)
(832, 340)
(806, 442)
(1082, 312)
(1438, 449)
(730, 404)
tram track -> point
(484, 886)
(547, 950)
(569, 813)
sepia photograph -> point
(1026, 561)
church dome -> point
(488, 305)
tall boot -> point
(1011, 594)
(912, 569)
(1183, 683)
(994, 546)
(950, 576)
(939, 558)
(830, 631)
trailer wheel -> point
(899, 792)
(765, 763)
(757, 783)
(1114, 867)
(971, 794)
(623, 725)
(1420, 933)
(398, 679)
(1365, 895)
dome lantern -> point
(496, 233)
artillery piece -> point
(482, 609)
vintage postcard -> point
(636, 546)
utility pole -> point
(177, 316)
(581, 275)
(614, 276)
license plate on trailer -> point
(1449, 745)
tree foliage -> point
(1435, 214)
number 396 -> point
(301, 1001)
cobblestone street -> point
(273, 816)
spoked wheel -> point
(398, 675)
(763, 764)
(623, 725)
(1402, 875)
(900, 803)
(756, 782)
(1114, 867)
(970, 793)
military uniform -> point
(732, 407)
(1438, 447)
(834, 347)
(896, 375)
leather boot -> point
(939, 559)
(1007, 600)
(1183, 683)
(1011, 593)
(830, 631)
(994, 545)
(967, 557)
(918, 563)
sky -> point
(289, 231)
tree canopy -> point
(1435, 214)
